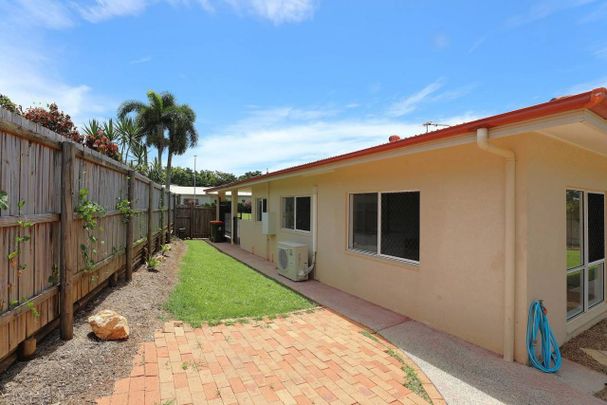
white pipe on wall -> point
(482, 139)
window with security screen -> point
(297, 213)
(385, 224)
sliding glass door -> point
(585, 251)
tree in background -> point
(248, 175)
(153, 118)
(206, 178)
(182, 135)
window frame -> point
(378, 253)
(586, 264)
(282, 213)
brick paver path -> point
(312, 357)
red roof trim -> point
(594, 100)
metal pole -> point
(195, 198)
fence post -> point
(129, 228)
(192, 221)
(168, 238)
(67, 255)
(150, 232)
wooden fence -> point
(49, 264)
(193, 222)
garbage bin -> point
(217, 231)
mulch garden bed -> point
(593, 338)
(83, 369)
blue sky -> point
(281, 82)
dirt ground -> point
(593, 338)
(84, 368)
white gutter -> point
(482, 140)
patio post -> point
(218, 198)
(233, 214)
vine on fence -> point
(19, 239)
(124, 207)
(89, 211)
(13, 255)
(3, 200)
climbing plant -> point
(124, 207)
(19, 239)
(3, 200)
(89, 211)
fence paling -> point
(67, 260)
(43, 275)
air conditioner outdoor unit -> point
(293, 260)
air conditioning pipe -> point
(482, 140)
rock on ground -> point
(109, 325)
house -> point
(199, 195)
(460, 228)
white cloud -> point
(58, 14)
(102, 10)
(543, 9)
(277, 11)
(585, 86)
(477, 44)
(601, 53)
(31, 13)
(410, 103)
(270, 139)
(25, 78)
(139, 61)
(29, 74)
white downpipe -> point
(482, 140)
(314, 221)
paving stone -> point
(317, 357)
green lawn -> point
(573, 258)
(213, 287)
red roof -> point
(594, 100)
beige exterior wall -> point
(554, 167)
(458, 285)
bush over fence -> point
(76, 222)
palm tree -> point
(182, 135)
(131, 136)
(153, 118)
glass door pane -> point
(596, 227)
(596, 284)
(575, 291)
(575, 229)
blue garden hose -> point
(549, 360)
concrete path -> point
(462, 372)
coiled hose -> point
(549, 360)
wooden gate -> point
(193, 222)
